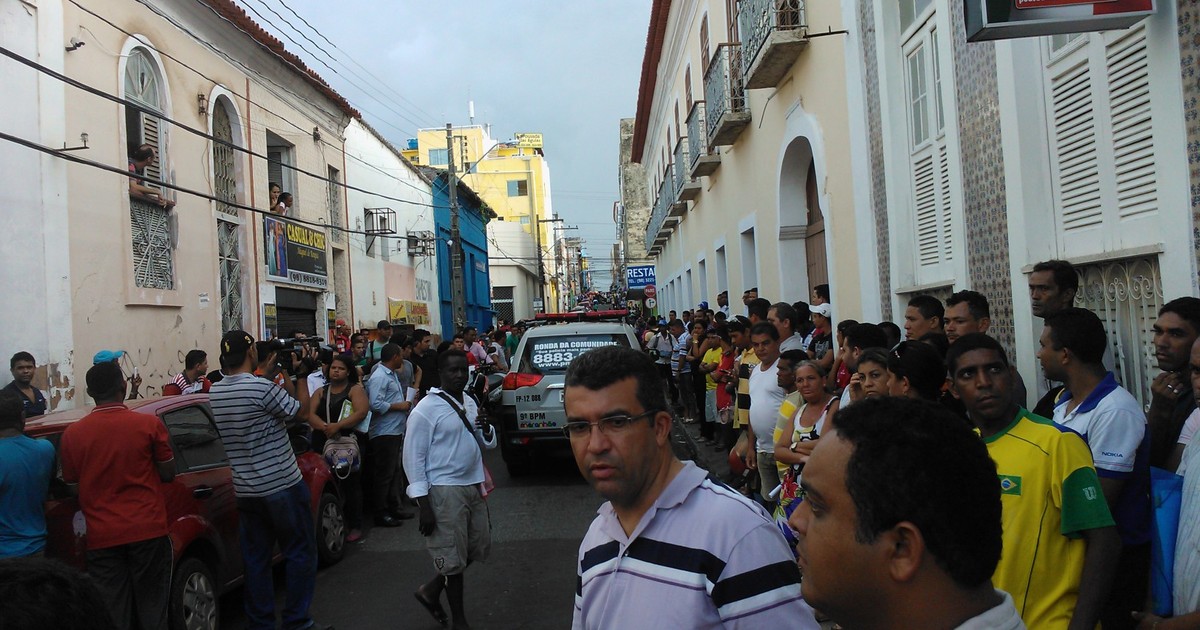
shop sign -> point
(408, 312)
(295, 253)
(640, 276)
(1009, 19)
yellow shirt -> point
(787, 409)
(1050, 494)
(749, 361)
(712, 355)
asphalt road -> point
(528, 583)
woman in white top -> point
(812, 419)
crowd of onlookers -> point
(353, 400)
(768, 380)
(909, 466)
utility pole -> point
(458, 294)
(537, 234)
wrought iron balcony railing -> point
(773, 34)
(725, 96)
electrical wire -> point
(29, 144)
(141, 108)
(245, 98)
(416, 111)
(321, 61)
(415, 108)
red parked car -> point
(201, 507)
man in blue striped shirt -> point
(273, 502)
(671, 548)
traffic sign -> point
(650, 290)
(651, 303)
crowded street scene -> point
(851, 314)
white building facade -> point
(102, 269)
(393, 265)
(743, 134)
(982, 159)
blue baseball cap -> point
(105, 356)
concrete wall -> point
(389, 271)
(94, 258)
(34, 201)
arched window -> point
(224, 164)
(153, 251)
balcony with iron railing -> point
(686, 188)
(773, 32)
(701, 161)
(726, 114)
(657, 222)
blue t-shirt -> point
(26, 465)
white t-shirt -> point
(765, 398)
(1112, 423)
(795, 342)
(1189, 428)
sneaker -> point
(354, 536)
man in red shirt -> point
(120, 459)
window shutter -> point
(946, 240)
(1074, 148)
(1132, 130)
(275, 168)
(150, 136)
(926, 210)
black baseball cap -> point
(236, 342)
(383, 323)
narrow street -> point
(529, 582)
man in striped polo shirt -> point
(671, 547)
(273, 502)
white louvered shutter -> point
(1103, 156)
(1133, 141)
(1073, 136)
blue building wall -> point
(472, 227)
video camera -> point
(290, 343)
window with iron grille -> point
(502, 303)
(229, 264)
(1126, 295)
(150, 223)
(334, 203)
(230, 269)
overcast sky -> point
(566, 69)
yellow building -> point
(513, 177)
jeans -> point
(135, 581)
(284, 518)
(385, 461)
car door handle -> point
(203, 492)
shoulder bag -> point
(488, 484)
(341, 452)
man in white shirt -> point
(871, 522)
(1112, 423)
(766, 396)
(443, 459)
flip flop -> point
(435, 608)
